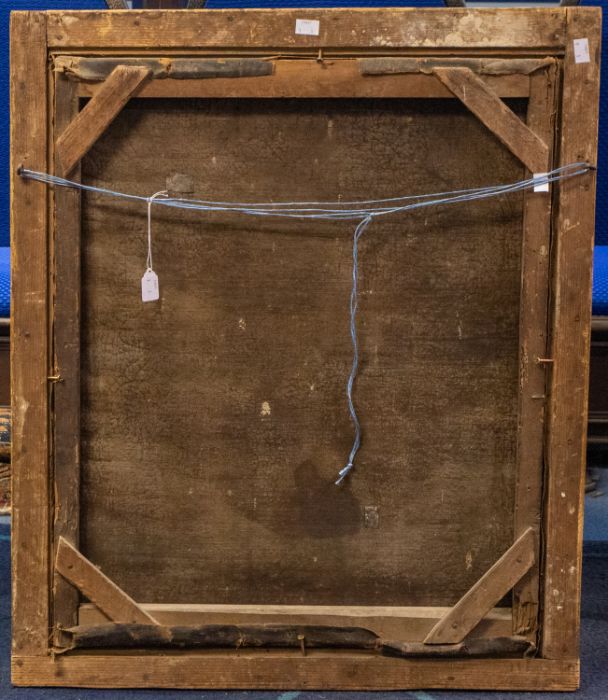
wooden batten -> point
(485, 104)
(533, 375)
(66, 362)
(280, 669)
(486, 593)
(344, 77)
(379, 30)
(97, 587)
(29, 342)
(571, 308)
(408, 624)
(94, 119)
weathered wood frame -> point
(558, 240)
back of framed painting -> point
(368, 255)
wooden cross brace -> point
(90, 123)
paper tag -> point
(543, 186)
(581, 50)
(149, 286)
(307, 26)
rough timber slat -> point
(494, 113)
(385, 29)
(533, 345)
(97, 115)
(97, 587)
(486, 593)
(278, 670)
(29, 345)
(567, 431)
(66, 391)
(206, 68)
(308, 78)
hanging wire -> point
(353, 334)
(362, 211)
(329, 210)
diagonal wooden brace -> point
(97, 587)
(81, 134)
(485, 104)
(486, 593)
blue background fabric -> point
(600, 280)
(5, 282)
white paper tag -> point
(581, 50)
(307, 26)
(149, 286)
(543, 186)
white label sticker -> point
(543, 186)
(149, 286)
(581, 51)
(307, 26)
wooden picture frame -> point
(59, 58)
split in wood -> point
(135, 636)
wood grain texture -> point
(571, 309)
(221, 409)
(308, 78)
(278, 670)
(29, 342)
(376, 29)
(66, 345)
(97, 115)
(533, 319)
(486, 593)
(410, 624)
(494, 113)
(97, 587)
